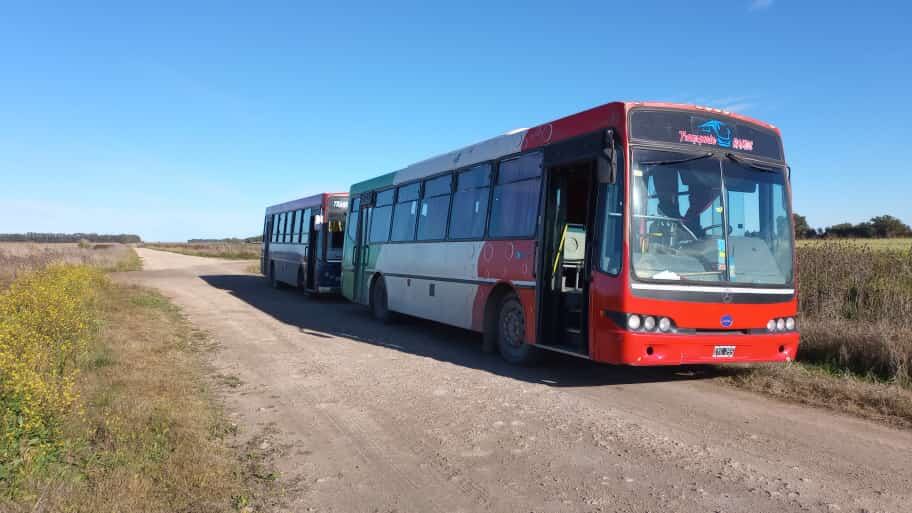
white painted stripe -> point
(697, 288)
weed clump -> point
(47, 318)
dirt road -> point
(413, 417)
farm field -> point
(898, 244)
(228, 250)
(855, 315)
(20, 257)
(103, 405)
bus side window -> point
(281, 229)
(405, 215)
(611, 214)
(514, 212)
(435, 207)
(381, 215)
(470, 203)
(352, 228)
(305, 226)
(296, 231)
(275, 228)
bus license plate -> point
(723, 351)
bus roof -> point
(515, 141)
(307, 202)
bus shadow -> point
(328, 317)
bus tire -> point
(379, 302)
(273, 280)
(511, 333)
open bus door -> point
(572, 175)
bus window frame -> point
(423, 194)
(541, 183)
(489, 186)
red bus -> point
(302, 243)
(631, 233)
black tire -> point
(511, 333)
(380, 302)
(273, 281)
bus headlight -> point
(780, 325)
(665, 324)
(649, 323)
(633, 322)
(790, 324)
(771, 326)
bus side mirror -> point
(607, 162)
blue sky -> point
(176, 121)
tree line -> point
(123, 238)
(878, 227)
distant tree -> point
(802, 229)
(887, 226)
(124, 238)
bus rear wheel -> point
(511, 333)
(273, 280)
(380, 302)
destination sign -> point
(701, 129)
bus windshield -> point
(683, 228)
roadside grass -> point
(855, 318)
(227, 250)
(105, 405)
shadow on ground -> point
(336, 317)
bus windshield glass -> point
(702, 218)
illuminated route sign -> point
(703, 129)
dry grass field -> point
(228, 250)
(855, 315)
(103, 402)
(20, 257)
(877, 244)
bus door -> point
(567, 231)
(267, 238)
(313, 249)
(361, 255)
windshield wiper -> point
(678, 161)
(741, 162)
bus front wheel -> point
(380, 302)
(511, 333)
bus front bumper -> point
(683, 349)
